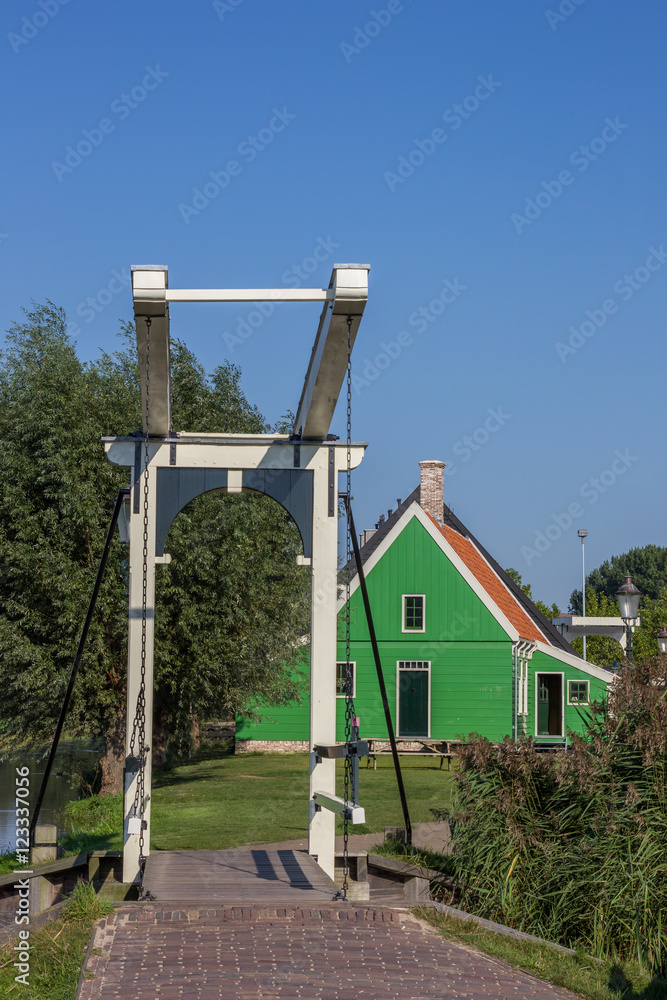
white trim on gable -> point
(414, 510)
(573, 660)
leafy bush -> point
(8, 861)
(572, 846)
(93, 823)
(97, 814)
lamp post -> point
(662, 640)
(582, 534)
(628, 597)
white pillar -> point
(131, 840)
(322, 824)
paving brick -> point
(288, 953)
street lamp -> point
(628, 597)
(662, 640)
(582, 534)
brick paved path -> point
(339, 952)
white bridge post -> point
(131, 840)
(322, 823)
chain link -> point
(139, 724)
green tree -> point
(230, 608)
(647, 566)
(600, 650)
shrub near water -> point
(572, 846)
(93, 823)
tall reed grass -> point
(572, 845)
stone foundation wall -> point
(271, 746)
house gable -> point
(415, 558)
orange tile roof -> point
(492, 584)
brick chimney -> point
(431, 488)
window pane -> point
(579, 692)
(341, 678)
(414, 612)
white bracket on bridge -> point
(354, 813)
(356, 748)
(346, 295)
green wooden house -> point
(462, 648)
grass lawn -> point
(56, 952)
(605, 980)
(221, 800)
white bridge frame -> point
(299, 470)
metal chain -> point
(139, 724)
(350, 792)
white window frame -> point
(413, 631)
(577, 680)
(423, 665)
(353, 664)
(561, 674)
(522, 707)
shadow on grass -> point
(78, 843)
(619, 983)
(165, 776)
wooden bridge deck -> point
(239, 876)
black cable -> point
(77, 659)
(378, 667)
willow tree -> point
(231, 606)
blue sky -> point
(515, 151)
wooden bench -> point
(439, 749)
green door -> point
(412, 703)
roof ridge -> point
(551, 635)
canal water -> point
(74, 761)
